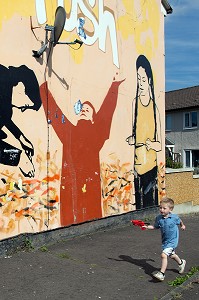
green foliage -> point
(27, 245)
(180, 279)
(171, 164)
(64, 255)
(43, 248)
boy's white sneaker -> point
(159, 276)
(182, 266)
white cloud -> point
(182, 43)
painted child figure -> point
(168, 224)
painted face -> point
(78, 107)
(164, 209)
(86, 113)
(143, 82)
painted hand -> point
(130, 140)
(148, 144)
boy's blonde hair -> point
(168, 201)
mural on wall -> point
(64, 153)
(80, 190)
(27, 205)
(9, 78)
(117, 187)
(146, 136)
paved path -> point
(112, 264)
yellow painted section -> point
(78, 55)
(143, 22)
(67, 6)
(22, 7)
(51, 7)
(95, 11)
(27, 8)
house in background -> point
(182, 126)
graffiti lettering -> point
(101, 24)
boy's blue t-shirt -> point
(169, 230)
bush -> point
(173, 165)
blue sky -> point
(182, 44)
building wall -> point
(182, 187)
(184, 139)
(66, 117)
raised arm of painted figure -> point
(105, 114)
(54, 114)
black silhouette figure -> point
(9, 78)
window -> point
(195, 160)
(188, 159)
(168, 122)
(190, 119)
(191, 158)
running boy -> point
(168, 224)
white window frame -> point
(190, 120)
(190, 158)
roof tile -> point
(183, 98)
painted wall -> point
(82, 129)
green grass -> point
(64, 255)
(27, 245)
(180, 279)
(43, 248)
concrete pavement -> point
(113, 263)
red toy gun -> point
(139, 223)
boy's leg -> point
(160, 275)
(176, 258)
(164, 258)
(181, 262)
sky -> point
(182, 45)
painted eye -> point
(78, 107)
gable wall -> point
(57, 170)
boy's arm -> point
(155, 226)
(149, 227)
(182, 225)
